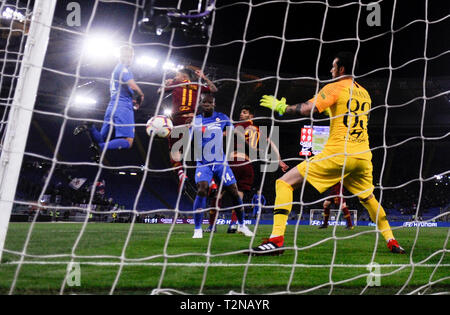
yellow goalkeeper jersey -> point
(348, 105)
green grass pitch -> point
(337, 264)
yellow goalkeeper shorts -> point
(323, 172)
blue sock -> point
(96, 135)
(115, 144)
(199, 203)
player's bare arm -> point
(210, 84)
(166, 86)
(133, 85)
(284, 167)
(303, 109)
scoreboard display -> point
(313, 139)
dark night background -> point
(257, 48)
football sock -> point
(237, 201)
(347, 216)
(96, 135)
(373, 207)
(212, 217)
(283, 206)
(115, 144)
(233, 217)
(199, 203)
(326, 215)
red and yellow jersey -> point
(184, 96)
(251, 133)
(348, 105)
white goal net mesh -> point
(121, 224)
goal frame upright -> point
(21, 111)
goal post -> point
(21, 111)
(336, 217)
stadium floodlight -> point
(171, 66)
(10, 14)
(100, 47)
(147, 61)
(82, 101)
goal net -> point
(117, 221)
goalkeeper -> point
(346, 153)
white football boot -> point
(198, 233)
(244, 230)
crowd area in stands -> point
(67, 196)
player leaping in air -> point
(120, 110)
(208, 129)
(346, 153)
(184, 104)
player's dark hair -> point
(188, 72)
(249, 108)
(345, 59)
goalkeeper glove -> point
(274, 104)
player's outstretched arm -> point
(213, 88)
(167, 86)
(282, 108)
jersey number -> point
(253, 137)
(360, 119)
(185, 108)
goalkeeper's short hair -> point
(346, 59)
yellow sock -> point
(283, 206)
(373, 207)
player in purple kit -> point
(208, 129)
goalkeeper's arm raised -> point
(282, 108)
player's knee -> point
(233, 191)
(130, 142)
(202, 189)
